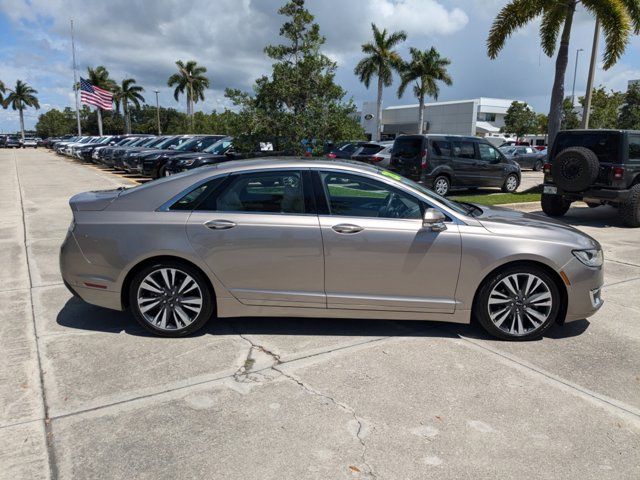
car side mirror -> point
(433, 220)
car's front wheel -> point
(518, 303)
(170, 299)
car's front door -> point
(259, 234)
(491, 166)
(377, 254)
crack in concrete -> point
(243, 374)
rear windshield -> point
(606, 145)
(408, 147)
(370, 149)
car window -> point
(604, 144)
(464, 150)
(408, 146)
(441, 148)
(260, 192)
(192, 199)
(352, 195)
(634, 147)
(488, 153)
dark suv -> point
(599, 167)
(444, 161)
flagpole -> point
(75, 80)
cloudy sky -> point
(143, 38)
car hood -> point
(508, 222)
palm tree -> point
(380, 61)
(618, 17)
(21, 97)
(3, 89)
(99, 77)
(124, 94)
(426, 69)
(191, 80)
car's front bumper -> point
(584, 290)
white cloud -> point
(417, 17)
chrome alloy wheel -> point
(512, 183)
(169, 299)
(520, 303)
(441, 186)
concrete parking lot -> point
(85, 393)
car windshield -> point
(197, 144)
(507, 150)
(219, 147)
(462, 208)
(167, 142)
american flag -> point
(95, 96)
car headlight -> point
(591, 258)
(186, 163)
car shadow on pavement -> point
(79, 315)
(599, 217)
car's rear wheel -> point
(441, 185)
(511, 183)
(518, 303)
(537, 166)
(171, 299)
(554, 205)
(630, 208)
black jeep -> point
(599, 167)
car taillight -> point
(331, 155)
(618, 172)
(376, 159)
(424, 163)
(546, 168)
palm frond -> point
(616, 27)
(516, 14)
(552, 20)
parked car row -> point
(14, 141)
(155, 156)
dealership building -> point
(479, 116)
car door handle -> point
(347, 228)
(220, 224)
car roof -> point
(441, 135)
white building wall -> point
(455, 117)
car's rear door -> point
(377, 255)
(259, 234)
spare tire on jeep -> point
(575, 169)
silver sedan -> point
(322, 239)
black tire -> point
(159, 173)
(482, 309)
(630, 209)
(207, 307)
(574, 169)
(554, 205)
(592, 205)
(537, 166)
(511, 183)
(442, 185)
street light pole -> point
(575, 71)
(158, 111)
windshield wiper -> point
(471, 207)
